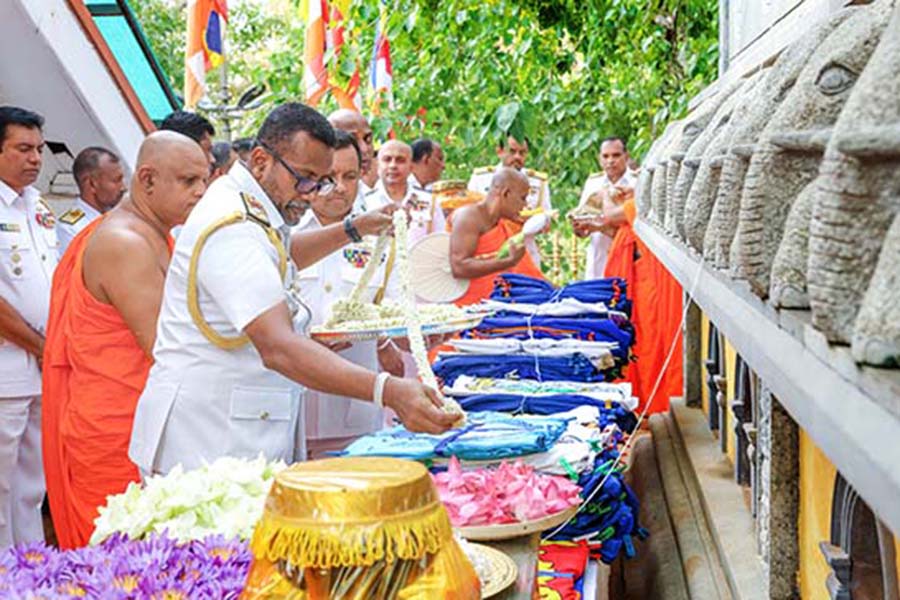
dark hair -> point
(242, 145)
(13, 115)
(288, 119)
(221, 152)
(187, 123)
(615, 138)
(342, 140)
(506, 136)
(88, 160)
(421, 148)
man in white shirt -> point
(28, 254)
(427, 164)
(332, 422)
(101, 184)
(229, 350)
(513, 153)
(613, 185)
(394, 187)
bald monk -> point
(356, 125)
(656, 309)
(480, 230)
(104, 306)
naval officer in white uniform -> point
(332, 422)
(28, 250)
(101, 184)
(513, 153)
(229, 344)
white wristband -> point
(378, 392)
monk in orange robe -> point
(656, 311)
(104, 305)
(479, 232)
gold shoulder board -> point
(483, 170)
(71, 216)
(255, 209)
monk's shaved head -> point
(511, 187)
(507, 177)
(170, 176)
(164, 146)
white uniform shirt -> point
(71, 222)
(538, 195)
(320, 285)
(202, 401)
(425, 217)
(28, 254)
(598, 250)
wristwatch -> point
(351, 231)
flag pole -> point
(224, 95)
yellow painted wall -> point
(704, 350)
(817, 476)
(730, 387)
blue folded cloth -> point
(573, 367)
(486, 436)
(548, 405)
(512, 287)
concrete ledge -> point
(851, 413)
(709, 475)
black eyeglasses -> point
(303, 185)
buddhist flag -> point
(382, 73)
(315, 72)
(347, 97)
(205, 46)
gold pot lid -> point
(351, 511)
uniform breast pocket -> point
(14, 258)
(262, 420)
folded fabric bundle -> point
(524, 327)
(539, 347)
(561, 568)
(566, 307)
(574, 367)
(614, 393)
(512, 287)
(607, 413)
(486, 436)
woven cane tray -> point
(503, 570)
(506, 531)
(359, 335)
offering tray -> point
(505, 531)
(398, 331)
(503, 570)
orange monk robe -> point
(489, 243)
(656, 315)
(93, 373)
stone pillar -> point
(778, 497)
(693, 361)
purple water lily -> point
(155, 568)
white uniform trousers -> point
(22, 484)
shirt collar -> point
(246, 182)
(413, 182)
(383, 191)
(9, 195)
(89, 211)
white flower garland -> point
(353, 308)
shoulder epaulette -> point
(255, 209)
(71, 216)
(483, 170)
(537, 174)
(595, 175)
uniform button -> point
(264, 415)
(328, 288)
(16, 257)
(43, 257)
(17, 271)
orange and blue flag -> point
(205, 46)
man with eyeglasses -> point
(229, 348)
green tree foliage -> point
(580, 70)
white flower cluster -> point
(353, 308)
(225, 497)
(389, 315)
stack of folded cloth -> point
(512, 287)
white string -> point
(626, 447)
